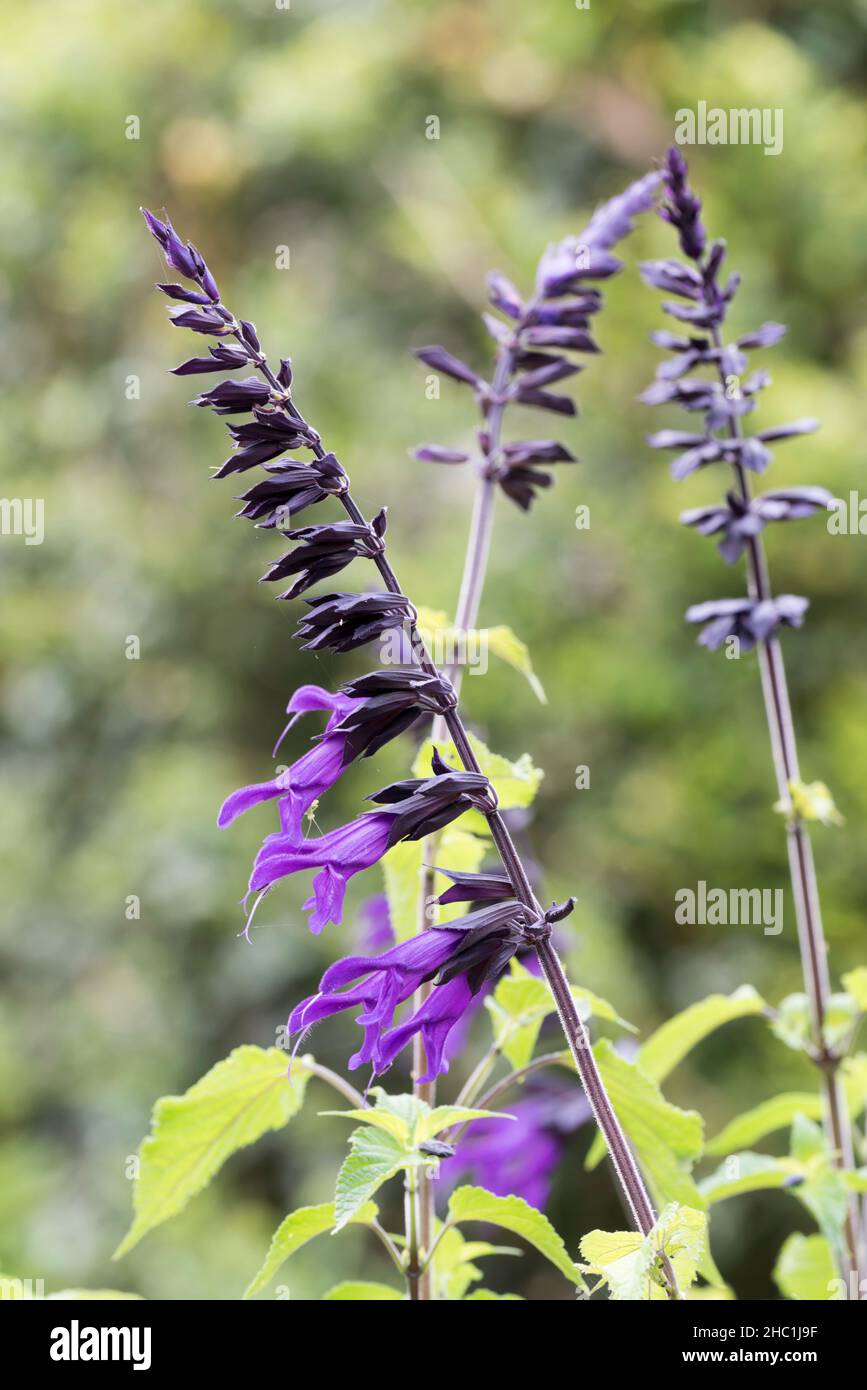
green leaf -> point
(441, 634)
(666, 1139)
(805, 1268)
(773, 1114)
(855, 983)
(296, 1230)
(515, 1215)
(444, 1116)
(841, 1015)
(779, 1112)
(509, 648)
(747, 1172)
(360, 1291)
(629, 1262)
(192, 1135)
(375, 1157)
(517, 1007)
(668, 1046)
(792, 1024)
(452, 1266)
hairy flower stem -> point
(805, 889)
(625, 1167)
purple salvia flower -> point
(309, 778)
(463, 956)
(737, 520)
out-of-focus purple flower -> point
(737, 521)
(725, 399)
(518, 1156)
(376, 928)
(462, 957)
(744, 618)
(182, 257)
(532, 338)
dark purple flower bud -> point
(682, 207)
(565, 265)
(271, 432)
(200, 321)
(614, 220)
(475, 888)
(342, 622)
(555, 369)
(504, 296)
(222, 357)
(499, 331)
(181, 258)
(443, 361)
(745, 618)
(552, 335)
(248, 333)
(795, 427)
(766, 336)
(234, 397)
(421, 807)
(524, 451)
(389, 702)
(292, 486)
(324, 551)
(437, 453)
(673, 277)
(576, 311)
(738, 520)
(545, 400)
(188, 296)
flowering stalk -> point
(467, 953)
(537, 343)
(756, 619)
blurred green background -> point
(305, 127)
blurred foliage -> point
(305, 127)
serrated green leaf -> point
(666, 1139)
(518, 1007)
(444, 1116)
(375, 1157)
(628, 1262)
(360, 1291)
(515, 1215)
(440, 633)
(747, 1172)
(855, 983)
(666, 1048)
(452, 1265)
(805, 1268)
(296, 1230)
(192, 1135)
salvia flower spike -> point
(727, 398)
(537, 343)
(342, 621)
